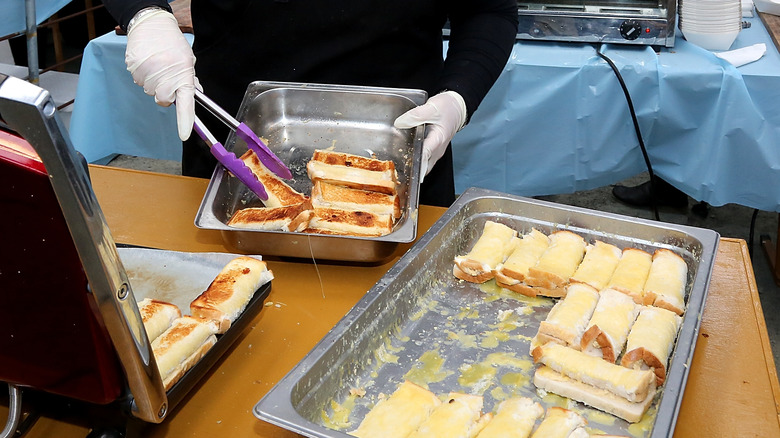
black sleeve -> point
(482, 34)
(124, 10)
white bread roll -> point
(524, 256)
(398, 415)
(608, 328)
(515, 418)
(631, 272)
(559, 423)
(665, 285)
(569, 317)
(492, 248)
(597, 266)
(230, 292)
(157, 316)
(558, 263)
(651, 340)
(182, 346)
(460, 416)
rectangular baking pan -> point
(296, 119)
(419, 307)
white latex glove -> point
(161, 60)
(445, 114)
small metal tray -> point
(296, 119)
(419, 313)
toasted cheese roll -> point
(569, 317)
(280, 194)
(549, 380)
(525, 255)
(558, 263)
(353, 171)
(631, 384)
(608, 328)
(597, 266)
(182, 346)
(398, 415)
(338, 222)
(326, 195)
(287, 218)
(515, 418)
(157, 316)
(230, 292)
(458, 417)
(665, 285)
(559, 423)
(631, 273)
(651, 340)
(493, 247)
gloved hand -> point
(161, 60)
(445, 114)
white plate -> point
(711, 41)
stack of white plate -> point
(710, 24)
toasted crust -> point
(353, 171)
(181, 346)
(348, 223)
(326, 195)
(157, 316)
(280, 193)
(552, 381)
(229, 293)
(287, 218)
(481, 278)
(188, 363)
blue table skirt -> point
(555, 122)
(13, 17)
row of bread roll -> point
(535, 264)
(351, 195)
(179, 342)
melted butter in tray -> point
(340, 413)
(428, 369)
(495, 292)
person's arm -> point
(124, 10)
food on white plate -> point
(610, 324)
(492, 248)
(558, 263)
(665, 285)
(560, 423)
(459, 416)
(651, 340)
(398, 415)
(230, 292)
(286, 218)
(597, 266)
(353, 171)
(349, 223)
(514, 418)
(568, 319)
(631, 273)
(631, 384)
(526, 253)
(549, 380)
(157, 316)
(327, 195)
(280, 194)
(181, 346)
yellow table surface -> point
(732, 388)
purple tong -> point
(253, 142)
(229, 160)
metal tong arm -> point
(31, 112)
(216, 110)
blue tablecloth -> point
(556, 121)
(13, 17)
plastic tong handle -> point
(253, 142)
(231, 163)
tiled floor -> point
(729, 221)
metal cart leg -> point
(772, 252)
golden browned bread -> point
(157, 316)
(398, 415)
(651, 340)
(230, 292)
(353, 171)
(181, 346)
(608, 328)
(349, 223)
(287, 218)
(280, 194)
(326, 195)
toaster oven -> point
(642, 22)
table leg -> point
(772, 252)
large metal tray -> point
(419, 307)
(298, 118)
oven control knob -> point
(630, 29)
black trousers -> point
(438, 189)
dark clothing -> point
(354, 42)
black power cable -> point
(636, 128)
